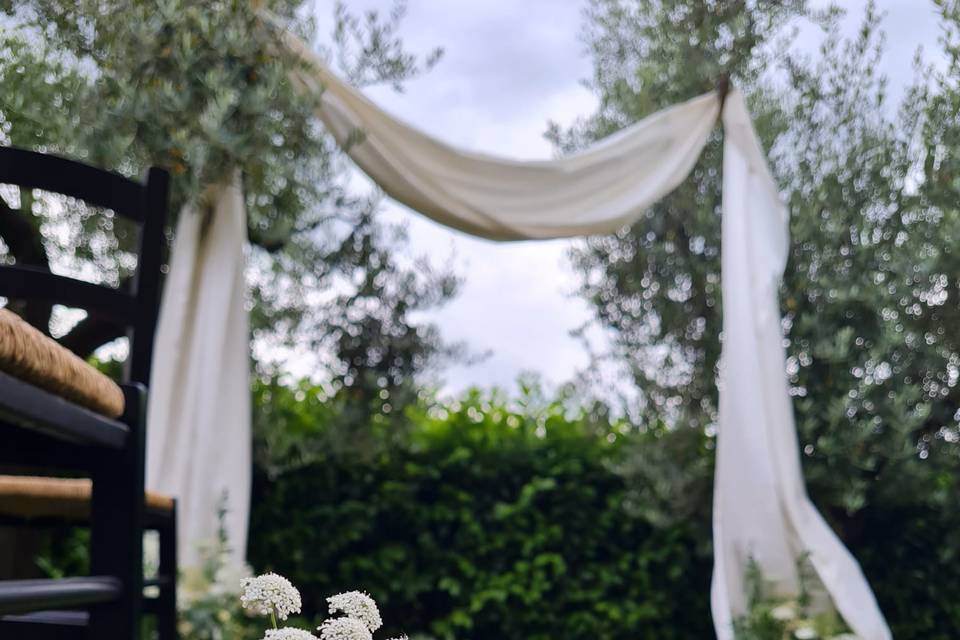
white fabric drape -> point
(598, 190)
(761, 508)
(198, 422)
(199, 415)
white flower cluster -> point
(289, 633)
(270, 594)
(344, 629)
(357, 605)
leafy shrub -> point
(520, 519)
(492, 521)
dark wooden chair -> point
(58, 417)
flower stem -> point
(273, 617)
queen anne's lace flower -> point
(289, 633)
(357, 605)
(268, 594)
(344, 629)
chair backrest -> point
(134, 310)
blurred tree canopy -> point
(200, 88)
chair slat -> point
(71, 178)
(24, 596)
(30, 283)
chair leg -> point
(167, 600)
(117, 518)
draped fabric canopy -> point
(598, 190)
(761, 508)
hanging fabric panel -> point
(761, 507)
(198, 419)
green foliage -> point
(63, 551)
(43, 95)
(494, 519)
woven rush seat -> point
(69, 498)
(27, 354)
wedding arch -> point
(200, 410)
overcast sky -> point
(510, 67)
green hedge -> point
(518, 524)
(491, 523)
